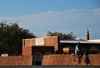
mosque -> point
(53, 45)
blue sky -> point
(40, 16)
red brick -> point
(63, 59)
(16, 60)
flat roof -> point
(75, 41)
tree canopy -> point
(11, 36)
(63, 36)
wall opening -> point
(65, 50)
(38, 58)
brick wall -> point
(58, 59)
(27, 50)
(16, 60)
(48, 41)
(96, 59)
(63, 59)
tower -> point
(87, 34)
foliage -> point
(63, 36)
(11, 36)
(81, 39)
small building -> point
(39, 47)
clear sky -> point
(40, 16)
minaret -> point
(87, 34)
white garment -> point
(77, 49)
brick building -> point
(39, 47)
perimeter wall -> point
(54, 59)
(63, 59)
(16, 60)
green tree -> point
(81, 39)
(11, 36)
(63, 36)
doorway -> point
(38, 58)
